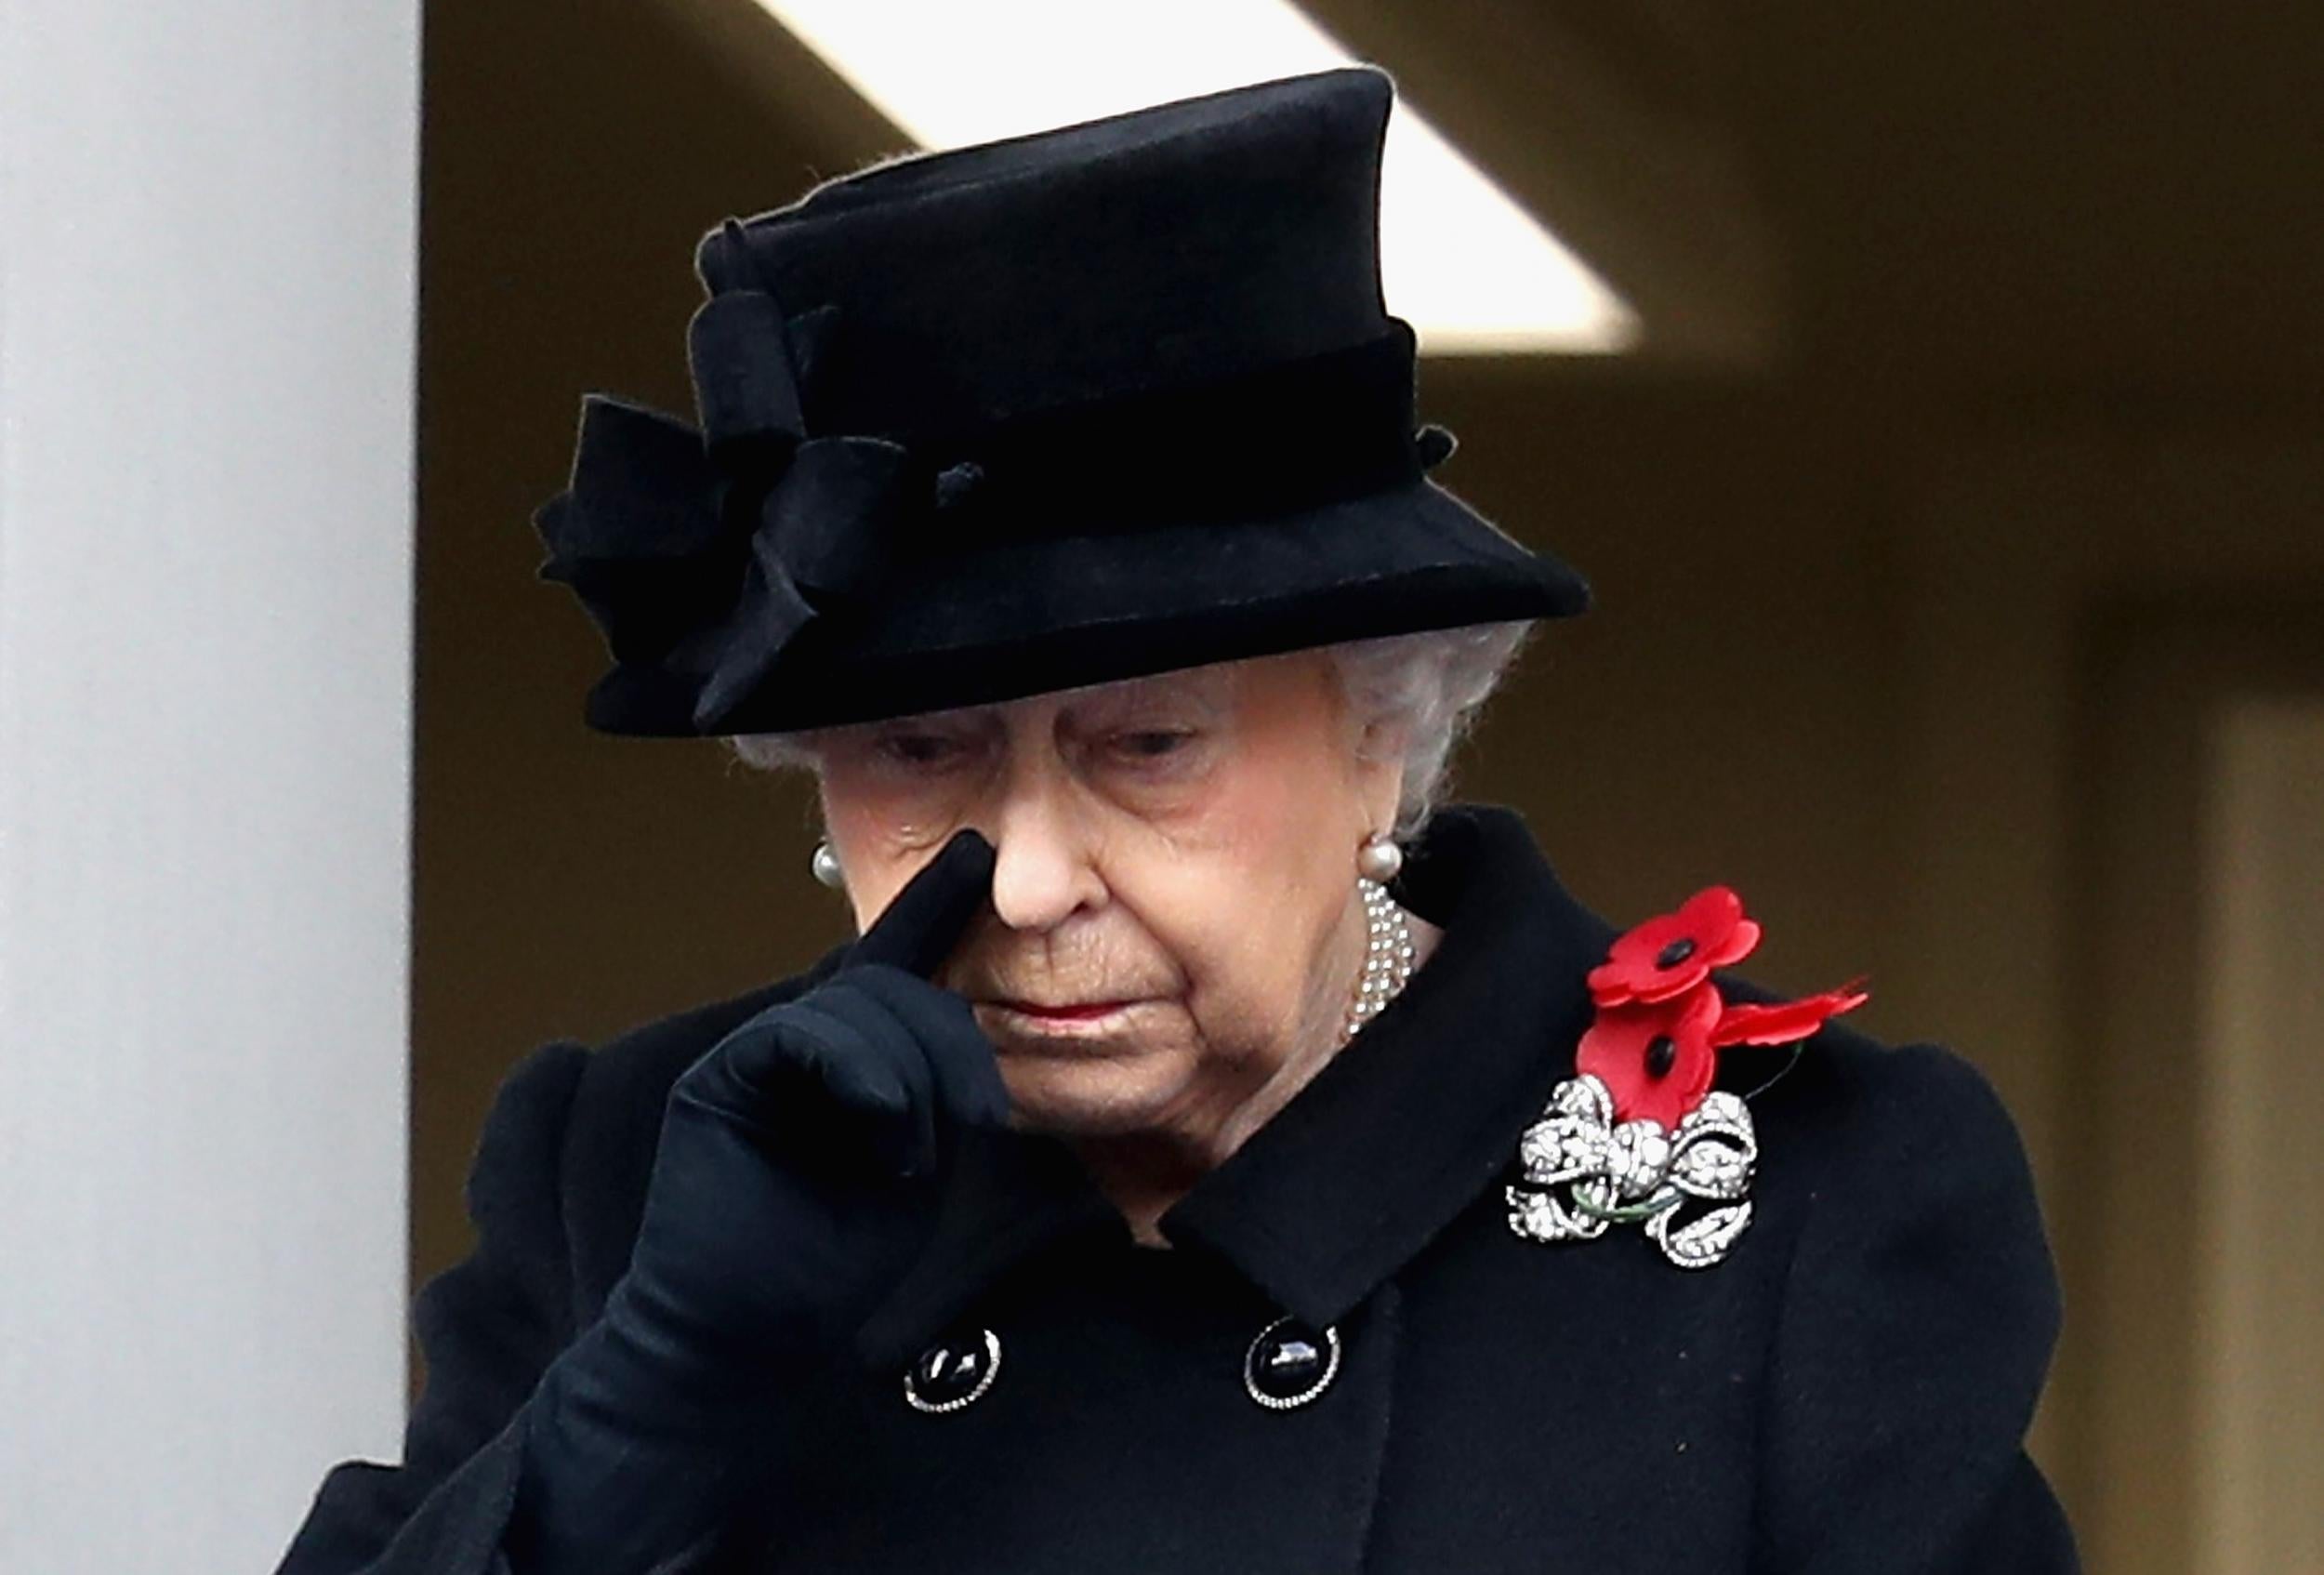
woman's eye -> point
(1151, 744)
(920, 749)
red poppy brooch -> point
(1638, 1135)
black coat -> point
(1846, 1392)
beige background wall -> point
(1980, 468)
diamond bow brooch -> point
(1638, 1136)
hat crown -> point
(1160, 249)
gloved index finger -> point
(924, 921)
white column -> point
(206, 304)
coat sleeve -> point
(487, 1327)
(1915, 1333)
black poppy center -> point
(1661, 1055)
(1678, 951)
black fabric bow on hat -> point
(702, 553)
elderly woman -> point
(1212, 1154)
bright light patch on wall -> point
(1469, 268)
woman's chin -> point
(1091, 1095)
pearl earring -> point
(1379, 858)
(825, 865)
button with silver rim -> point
(1291, 1363)
(954, 1372)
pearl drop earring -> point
(825, 865)
(1379, 858)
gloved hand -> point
(797, 1170)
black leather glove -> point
(797, 1170)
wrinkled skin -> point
(1178, 850)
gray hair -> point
(1429, 686)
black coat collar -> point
(1398, 1133)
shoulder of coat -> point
(1855, 1108)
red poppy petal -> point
(1740, 943)
(1611, 1047)
(1691, 1078)
(1786, 1021)
(1615, 1050)
(1669, 986)
(1648, 934)
(1698, 1013)
(1669, 1098)
(1609, 983)
(1636, 951)
(1711, 912)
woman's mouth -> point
(1063, 1017)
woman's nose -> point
(1043, 868)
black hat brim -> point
(1010, 619)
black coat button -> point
(1289, 1363)
(954, 1372)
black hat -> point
(1081, 405)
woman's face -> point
(1174, 913)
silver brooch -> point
(1584, 1172)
